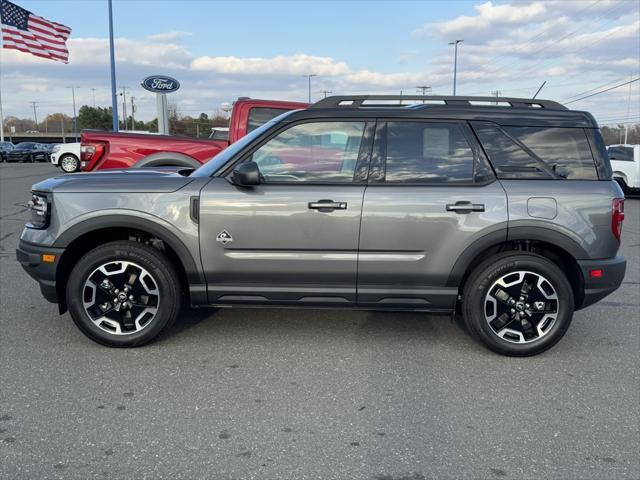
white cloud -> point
(172, 36)
(299, 64)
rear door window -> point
(428, 152)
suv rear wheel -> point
(518, 304)
(123, 294)
(69, 163)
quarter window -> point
(426, 152)
(537, 152)
(312, 152)
(624, 154)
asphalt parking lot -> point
(311, 394)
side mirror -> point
(246, 174)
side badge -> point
(224, 237)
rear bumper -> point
(30, 257)
(595, 289)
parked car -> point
(219, 133)
(506, 214)
(47, 148)
(5, 148)
(105, 150)
(625, 163)
(66, 156)
(27, 152)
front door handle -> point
(327, 205)
(465, 207)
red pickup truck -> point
(103, 150)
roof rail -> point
(358, 101)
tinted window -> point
(621, 153)
(259, 116)
(311, 152)
(25, 146)
(428, 153)
(565, 150)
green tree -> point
(94, 117)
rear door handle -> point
(465, 207)
(327, 205)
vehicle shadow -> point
(202, 325)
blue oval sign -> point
(160, 84)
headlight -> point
(39, 207)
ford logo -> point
(160, 84)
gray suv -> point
(503, 211)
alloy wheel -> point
(121, 297)
(69, 164)
(521, 307)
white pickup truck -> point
(67, 157)
(625, 163)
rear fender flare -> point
(167, 159)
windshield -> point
(25, 146)
(220, 160)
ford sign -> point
(160, 84)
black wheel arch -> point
(166, 159)
(559, 248)
(89, 234)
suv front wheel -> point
(123, 294)
(518, 304)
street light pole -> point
(75, 120)
(112, 58)
(309, 78)
(455, 63)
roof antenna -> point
(543, 83)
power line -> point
(547, 62)
(593, 89)
(603, 91)
(520, 49)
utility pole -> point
(93, 91)
(75, 121)
(35, 115)
(497, 94)
(455, 63)
(325, 92)
(309, 76)
(133, 114)
(124, 106)
(424, 89)
(626, 127)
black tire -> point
(163, 275)
(482, 279)
(623, 185)
(70, 160)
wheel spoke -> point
(121, 297)
(521, 306)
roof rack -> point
(358, 101)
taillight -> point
(617, 217)
(90, 151)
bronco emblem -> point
(224, 237)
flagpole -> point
(1, 115)
(114, 96)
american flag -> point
(24, 31)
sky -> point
(262, 49)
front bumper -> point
(30, 257)
(595, 289)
